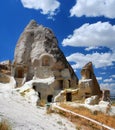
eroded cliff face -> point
(37, 54)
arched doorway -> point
(19, 73)
(49, 98)
(69, 96)
(46, 61)
(34, 87)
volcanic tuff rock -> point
(87, 73)
(38, 58)
(36, 42)
(88, 87)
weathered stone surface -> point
(38, 56)
(88, 87)
(5, 67)
(92, 100)
(4, 78)
(106, 95)
(87, 73)
(38, 47)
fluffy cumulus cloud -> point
(99, 78)
(92, 35)
(46, 6)
(113, 76)
(108, 80)
(99, 59)
(93, 8)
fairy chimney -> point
(38, 55)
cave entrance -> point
(69, 96)
(19, 73)
(49, 98)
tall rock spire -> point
(38, 46)
(87, 72)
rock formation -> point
(89, 80)
(87, 87)
(37, 55)
(5, 71)
(38, 46)
(39, 60)
(5, 66)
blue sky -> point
(85, 30)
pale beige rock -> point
(38, 47)
(87, 88)
(87, 73)
(92, 100)
(38, 56)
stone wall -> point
(43, 72)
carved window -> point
(45, 61)
(59, 85)
(69, 96)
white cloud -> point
(99, 78)
(98, 59)
(92, 35)
(93, 8)
(103, 73)
(91, 48)
(108, 80)
(113, 76)
(46, 6)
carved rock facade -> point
(87, 87)
(38, 56)
(89, 81)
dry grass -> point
(4, 125)
(24, 92)
(98, 116)
(41, 103)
